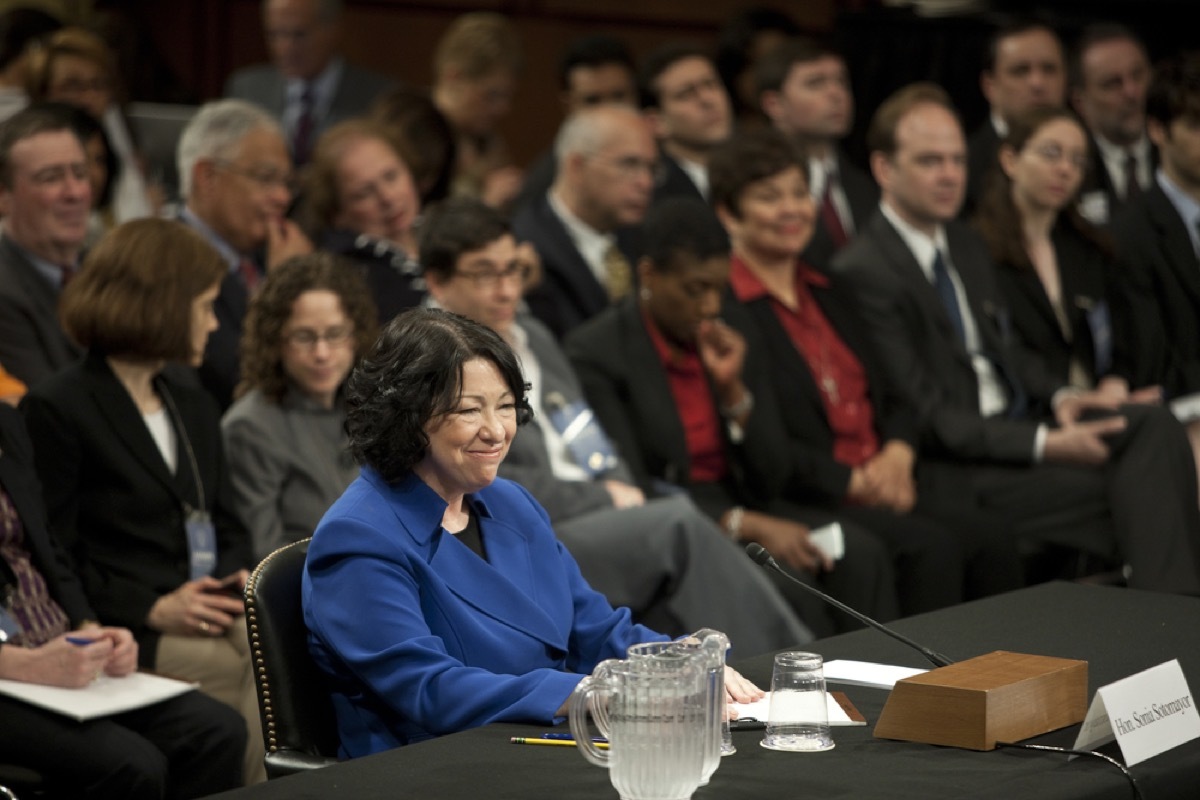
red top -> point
(835, 369)
(696, 407)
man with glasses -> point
(672, 566)
(585, 228)
(45, 200)
(236, 181)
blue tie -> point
(949, 297)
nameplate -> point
(1147, 713)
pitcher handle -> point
(581, 699)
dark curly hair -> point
(747, 158)
(262, 337)
(413, 374)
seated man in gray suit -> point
(1120, 484)
(45, 199)
(307, 87)
(662, 558)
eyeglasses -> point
(266, 178)
(1053, 153)
(307, 338)
(631, 166)
(491, 278)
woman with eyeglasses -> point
(1054, 267)
(284, 435)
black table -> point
(1117, 631)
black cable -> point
(1137, 792)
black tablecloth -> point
(1117, 631)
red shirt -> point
(835, 369)
(694, 403)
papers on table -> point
(864, 673)
(761, 710)
(100, 698)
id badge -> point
(202, 543)
(9, 627)
(585, 440)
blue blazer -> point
(421, 637)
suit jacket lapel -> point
(504, 588)
(589, 295)
(1177, 243)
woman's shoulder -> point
(252, 410)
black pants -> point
(188, 746)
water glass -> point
(798, 719)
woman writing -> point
(129, 455)
(284, 436)
(478, 614)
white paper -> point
(761, 710)
(1147, 713)
(829, 540)
(100, 698)
(865, 673)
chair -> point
(299, 728)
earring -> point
(644, 293)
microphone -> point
(764, 559)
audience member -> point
(475, 72)
(594, 70)
(362, 203)
(102, 165)
(285, 435)
(660, 557)
(1158, 236)
(804, 89)
(75, 66)
(433, 539)
(423, 137)
(188, 746)
(584, 228)
(132, 467)
(45, 201)
(687, 400)
(689, 112)
(742, 41)
(20, 26)
(308, 86)
(236, 181)
(1110, 74)
(851, 440)
(1122, 483)
(1024, 69)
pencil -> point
(552, 742)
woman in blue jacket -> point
(436, 595)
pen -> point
(79, 640)
(570, 737)
(551, 742)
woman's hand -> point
(202, 607)
(786, 540)
(57, 662)
(739, 689)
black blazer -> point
(814, 473)
(569, 293)
(628, 388)
(1086, 275)
(983, 148)
(19, 481)
(32, 343)
(111, 499)
(1097, 190)
(863, 196)
(1159, 278)
(672, 181)
(923, 355)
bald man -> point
(585, 229)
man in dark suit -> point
(307, 87)
(661, 557)
(236, 181)
(1110, 74)
(1158, 237)
(690, 113)
(584, 228)
(1121, 483)
(804, 89)
(1024, 69)
(189, 746)
(45, 200)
